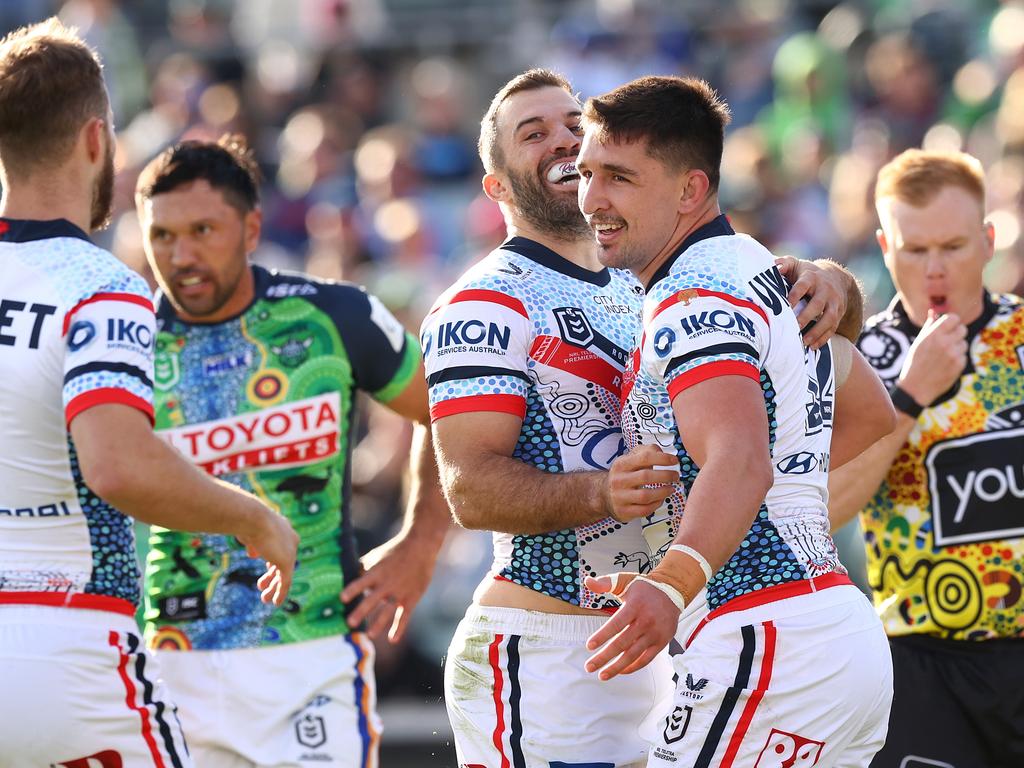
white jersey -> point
(76, 330)
(719, 308)
(529, 333)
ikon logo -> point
(787, 750)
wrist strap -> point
(904, 402)
(668, 590)
(702, 561)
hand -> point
(638, 630)
(635, 488)
(825, 291)
(936, 358)
(395, 576)
(275, 541)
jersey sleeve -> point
(108, 350)
(383, 354)
(697, 334)
(476, 352)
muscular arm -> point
(489, 490)
(396, 573)
(863, 411)
(724, 427)
(851, 486)
(127, 465)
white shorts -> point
(78, 689)
(782, 678)
(308, 704)
(518, 695)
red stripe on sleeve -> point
(710, 371)
(130, 298)
(103, 396)
(513, 404)
(483, 294)
(688, 294)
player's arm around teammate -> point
(127, 465)
(398, 571)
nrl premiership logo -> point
(166, 369)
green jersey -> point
(266, 401)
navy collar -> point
(28, 230)
(902, 320)
(717, 227)
(544, 256)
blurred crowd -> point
(363, 115)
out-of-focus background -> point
(364, 113)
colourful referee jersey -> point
(76, 330)
(944, 532)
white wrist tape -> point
(671, 592)
(705, 566)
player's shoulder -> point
(91, 272)
(274, 285)
(502, 277)
(1007, 304)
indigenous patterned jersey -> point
(529, 333)
(719, 308)
(265, 401)
(944, 532)
(76, 330)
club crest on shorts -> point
(788, 750)
(311, 731)
(676, 724)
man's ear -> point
(694, 193)
(93, 132)
(253, 223)
(496, 188)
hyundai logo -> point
(798, 464)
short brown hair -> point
(916, 176)
(682, 119)
(51, 83)
(490, 151)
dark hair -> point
(227, 164)
(51, 84)
(490, 151)
(682, 119)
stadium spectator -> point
(940, 497)
(722, 381)
(256, 378)
(79, 453)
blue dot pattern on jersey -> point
(115, 570)
(547, 563)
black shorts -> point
(956, 704)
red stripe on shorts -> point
(499, 705)
(129, 699)
(767, 661)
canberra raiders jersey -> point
(76, 331)
(945, 532)
(529, 333)
(265, 401)
(719, 308)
